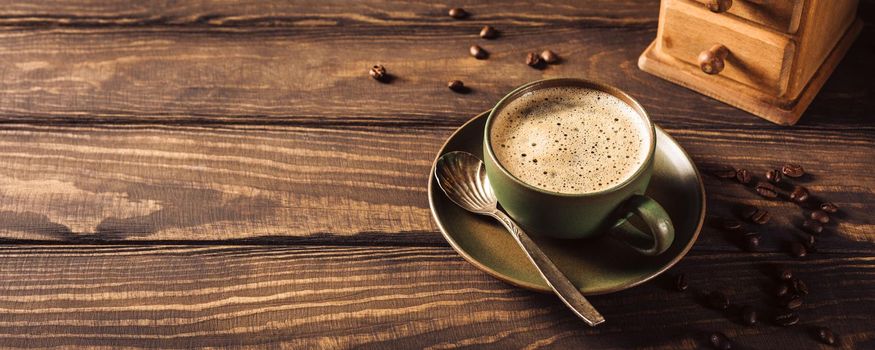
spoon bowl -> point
(462, 176)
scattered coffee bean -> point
(756, 215)
(488, 32)
(811, 226)
(787, 319)
(743, 176)
(799, 194)
(782, 290)
(799, 286)
(820, 215)
(730, 225)
(829, 207)
(720, 341)
(752, 243)
(478, 52)
(825, 335)
(549, 57)
(724, 172)
(792, 170)
(785, 274)
(766, 189)
(774, 176)
(718, 300)
(793, 303)
(798, 250)
(458, 13)
(749, 315)
(534, 60)
(378, 72)
(456, 85)
(680, 282)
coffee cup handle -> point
(661, 230)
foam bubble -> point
(570, 140)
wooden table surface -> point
(192, 174)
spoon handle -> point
(567, 292)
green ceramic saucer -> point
(596, 266)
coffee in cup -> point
(570, 140)
(571, 158)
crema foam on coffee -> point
(570, 140)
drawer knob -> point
(719, 6)
(711, 60)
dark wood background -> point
(187, 174)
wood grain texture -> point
(253, 13)
(389, 297)
(287, 183)
(254, 113)
(256, 73)
(269, 194)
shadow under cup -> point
(584, 215)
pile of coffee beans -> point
(788, 298)
(537, 61)
(777, 184)
(790, 290)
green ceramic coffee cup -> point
(587, 215)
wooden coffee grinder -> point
(767, 57)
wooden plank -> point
(299, 184)
(253, 13)
(398, 297)
(318, 73)
(203, 183)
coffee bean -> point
(718, 300)
(730, 225)
(752, 243)
(534, 60)
(799, 194)
(820, 215)
(378, 72)
(792, 170)
(782, 290)
(825, 335)
(787, 319)
(785, 274)
(749, 315)
(774, 176)
(756, 215)
(799, 286)
(456, 85)
(720, 341)
(478, 52)
(793, 302)
(766, 189)
(723, 172)
(798, 250)
(458, 13)
(680, 282)
(829, 207)
(488, 32)
(549, 57)
(743, 176)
